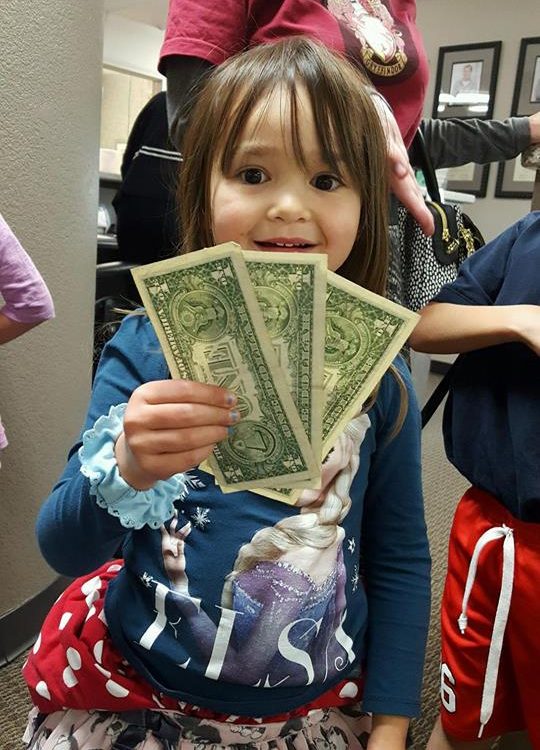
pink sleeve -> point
(212, 31)
(26, 297)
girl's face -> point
(269, 201)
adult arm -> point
(184, 77)
(453, 142)
(76, 535)
(396, 560)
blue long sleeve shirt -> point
(289, 627)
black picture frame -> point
(466, 80)
(469, 178)
(514, 180)
(526, 98)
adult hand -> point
(171, 426)
(534, 125)
(402, 180)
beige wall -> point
(50, 79)
(446, 23)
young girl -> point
(234, 620)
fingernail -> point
(231, 399)
(230, 430)
(234, 416)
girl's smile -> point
(269, 201)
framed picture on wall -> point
(469, 178)
(526, 100)
(514, 180)
(466, 80)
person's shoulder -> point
(137, 325)
(157, 102)
(529, 225)
(136, 341)
(521, 237)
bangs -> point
(330, 90)
(249, 100)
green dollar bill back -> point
(291, 290)
(205, 314)
(364, 333)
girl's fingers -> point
(164, 465)
(179, 415)
(176, 441)
(185, 391)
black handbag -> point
(427, 263)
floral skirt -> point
(322, 729)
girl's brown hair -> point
(348, 130)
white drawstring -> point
(501, 616)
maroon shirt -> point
(381, 37)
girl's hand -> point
(171, 426)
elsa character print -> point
(286, 591)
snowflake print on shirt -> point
(201, 518)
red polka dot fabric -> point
(74, 663)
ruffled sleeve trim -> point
(133, 508)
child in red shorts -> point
(490, 661)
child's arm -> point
(388, 732)
(396, 566)
(446, 328)
(27, 299)
(77, 535)
(10, 329)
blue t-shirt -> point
(492, 416)
(285, 627)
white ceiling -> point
(151, 12)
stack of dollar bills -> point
(301, 347)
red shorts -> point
(490, 673)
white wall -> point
(445, 23)
(131, 45)
(50, 79)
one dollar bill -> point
(206, 317)
(363, 334)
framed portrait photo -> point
(514, 180)
(469, 178)
(466, 80)
(526, 99)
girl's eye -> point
(326, 182)
(252, 176)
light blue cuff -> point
(133, 508)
